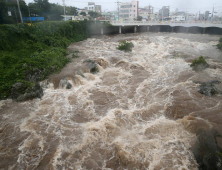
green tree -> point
(3, 12)
(55, 12)
(73, 11)
(139, 18)
(11, 5)
(94, 14)
(83, 13)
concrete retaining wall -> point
(108, 30)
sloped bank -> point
(29, 53)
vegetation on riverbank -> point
(219, 46)
(125, 46)
(29, 53)
(199, 64)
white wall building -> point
(129, 11)
(93, 7)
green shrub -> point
(199, 64)
(125, 46)
(219, 46)
(30, 53)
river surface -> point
(140, 111)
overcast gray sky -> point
(183, 5)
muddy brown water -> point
(141, 111)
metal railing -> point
(172, 23)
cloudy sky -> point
(193, 6)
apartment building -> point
(146, 13)
(129, 11)
(93, 7)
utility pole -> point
(118, 4)
(64, 8)
(212, 16)
(19, 11)
(162, 14)
(16, 15)
(29, 14)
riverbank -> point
(29, 53)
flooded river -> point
(140, 111)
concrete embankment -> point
(155, 28)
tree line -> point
(9, 13)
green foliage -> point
(94, 14)
(139, 18)
(199, 64)
(219, 46)
(125, 46)
(41, 8)
(83, 13)
(37, 50)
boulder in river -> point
(206, 150)
(21, 91)
(208, 88)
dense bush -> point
(30, 53)
(199, 64)
(219, 46)
(125, 46)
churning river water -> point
(140, 111)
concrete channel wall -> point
(109, 30)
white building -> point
(129, 11)
(93, 7)
(178, 18)
(146, 13)
(75, 18)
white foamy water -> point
(114, 119)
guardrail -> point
(171, 23)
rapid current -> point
(140, 111)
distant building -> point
(149, 9)
(93, 7)
(190, 17)
(207, 13)
(129, 11)
(202, 17)
(98, 8)
(154, 17)
(75, 18)
(178, 18)
(146, 12)
(164, 13)
(106, 16)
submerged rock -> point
(21, 91)
(208, 88)
(92, 65)
(65, 84)
(206, 150)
